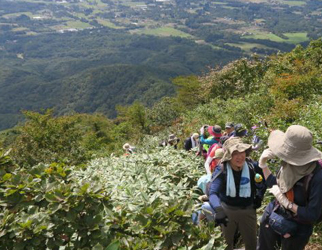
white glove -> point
(267, 154)
(202, 131)
(280, 197)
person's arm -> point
(209, 141)
(262, 163)
(207, 164)
(215, 187)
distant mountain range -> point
(92, 71)
(90, 55)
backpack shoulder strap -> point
(221, 170)
(308, 178)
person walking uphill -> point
(233, 193)
(215, 134)
(287, 222)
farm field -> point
(293, 38)
(164, 31)
(192, 20)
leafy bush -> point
(47, 139)
(153, 196)
(144, 201)
(43, 208)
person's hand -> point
(280, 197)
(267, 154)
(203, 198)
(220, 216)
(202, 131)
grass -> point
(77, 25)
(248, 46)
(230, 7)
(108, 24)
(29, 14)
(293, 38)
(265, 35)
(72, 25)
(218, 3)
(294, 3)
(297, 37)
(164, 31)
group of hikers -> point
(234, 186)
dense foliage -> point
(140, 202)
(144, 200)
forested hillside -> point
(92, 71)
(64, 180)
(60, 53)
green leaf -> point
(6, 177)
(113, 246)
(26, 224)
(50, 197)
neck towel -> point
(244, 187)
(193, 142)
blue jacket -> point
(217, 191)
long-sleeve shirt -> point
(209, 141)
(217, 192)
(309, 205)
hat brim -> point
(276, 142)
(240, 147)
(217, 135)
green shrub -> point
(44, 138)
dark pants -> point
(270, 240)
(243, 220)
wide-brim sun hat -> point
(295, 146)
(173, 139)
(235, 144)
(229, 125)
(215, 131)
(126, 146)
(219, 153)
(195, 135)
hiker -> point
(229, 129)
(206, 210)
(240, 130)
(173, 141)
(211, 161)
(256, 141)
(234, 195)
(191, 142)
(288, 220)
(128, 149)
(214, 136)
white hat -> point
(126, 146)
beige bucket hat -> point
(219, 153)
(294, 146)
(235, 144)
